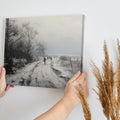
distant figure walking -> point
(44, 60)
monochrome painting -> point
(43, 51)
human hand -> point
(71, 93)
(64, 107)
(3, 86)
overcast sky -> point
(62, 35)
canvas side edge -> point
(2, 40)
(82, 45)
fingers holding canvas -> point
(7, 87)
(82, 77)
(2, 73)
(2, 82)
(75, 76)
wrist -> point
(73, 101)
(67, 105)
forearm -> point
(59, 111)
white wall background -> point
(102, 22)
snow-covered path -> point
(37, 74)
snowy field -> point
(51, 72)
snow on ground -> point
(49, 74)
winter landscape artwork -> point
(43, 51)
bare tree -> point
(19, 44)
(12, 37)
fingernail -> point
(78, 73)
(3, 69)
(11, 85)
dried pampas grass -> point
(86, 110)
(108, 84)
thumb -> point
(75, 76)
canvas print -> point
(43, 51)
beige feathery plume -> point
(86, 110)
(108, 85)
(118, 73)
(118, 83)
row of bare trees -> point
(19, 44)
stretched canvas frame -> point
(43, 51)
